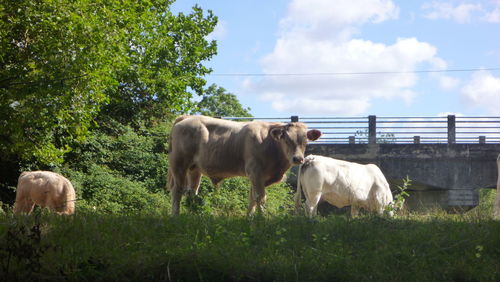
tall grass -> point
(273, 247)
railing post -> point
(352, 139)
(452, 135)
(482, 139)
(372, 129)
(416, 139)
(294, 118)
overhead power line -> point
(353, 73)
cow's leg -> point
(257, 200)
(194, 179)
(179, 174)
(24, 205)
(257, 197)
(55, 204)
(312, 200)
(298, 201)
(62, 204)
(252, 203)
(176, 195)
(354, 210)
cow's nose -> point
(298, 160)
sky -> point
(325, 58)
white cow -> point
(496, 213)
(45, 189)
(341, 184)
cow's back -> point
(46, 189)
(340, 176)
(43, 186)
(214, 146)
(342, 182)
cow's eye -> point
(289, 139)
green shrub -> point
(485, 207)
(231, 198)
(398, 204)
(102, 190)
(120, 169)
(136, 154)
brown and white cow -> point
(45, 189)
(341, 184)
(262, 151)
(496, 212)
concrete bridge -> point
(447, 158)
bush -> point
(120, 169)
(231, 198)
(138, 155)
(102, 190)
(486, 204)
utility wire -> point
(352, 73)
(6, 84)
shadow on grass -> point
(193, 247)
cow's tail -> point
(298, 193)
(170, 180)
(177, 120)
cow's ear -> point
(277, 133)
(313, 134)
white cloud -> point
(461, 13)
(310, 106)
(219, 32)
(448, 82)
(465, 12)
(445, 81)
(320, 17)
(445, 114)
(317, 37)
(493, 16)
(483, 91)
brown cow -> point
(262, 151)
(45, 189)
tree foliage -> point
(63, 61)
(88, 88)
(217, 102)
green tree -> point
(217, 102)
(63, 61)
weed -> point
(21, 248)
(400, 198)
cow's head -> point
(292, 138)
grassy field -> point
(414, 247)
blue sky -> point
(357, 58)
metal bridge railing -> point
(399, 130)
